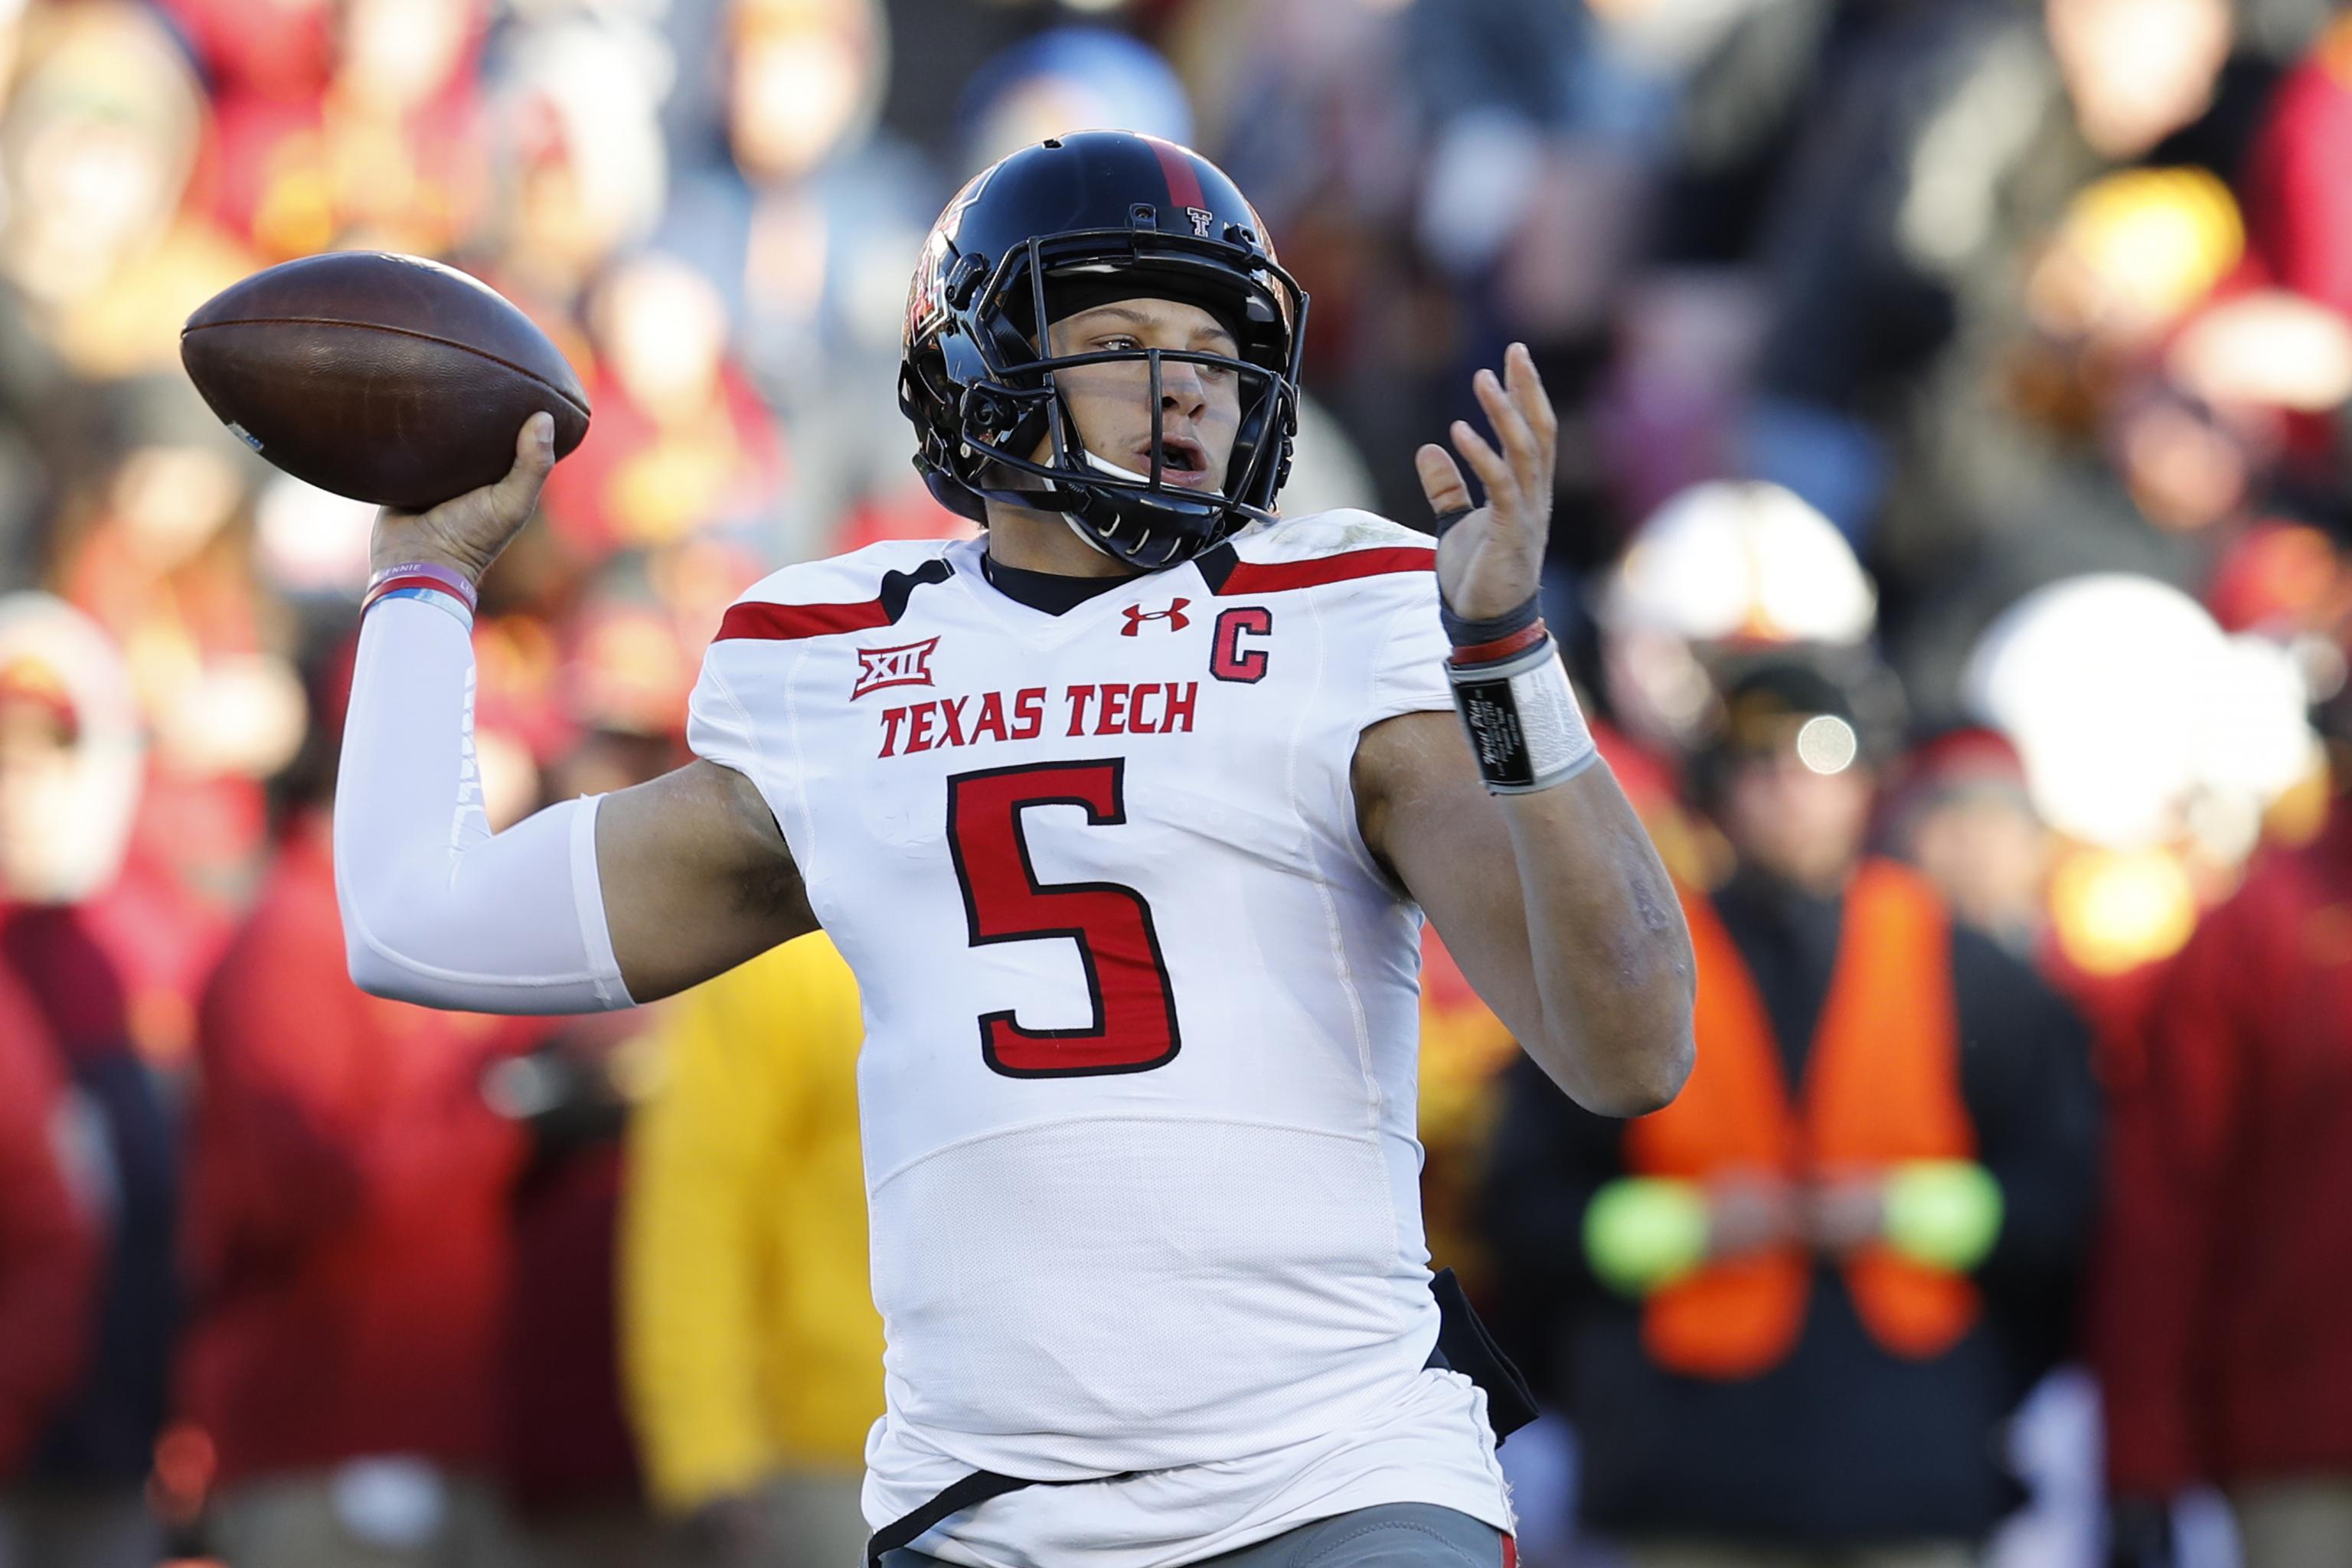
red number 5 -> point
(1134, 1027)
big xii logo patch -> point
(909, 665)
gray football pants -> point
(1394, 1535)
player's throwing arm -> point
(591, 904)
(403, 383)
(1581, 950)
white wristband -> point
(1525, 728)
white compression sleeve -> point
(436, 909)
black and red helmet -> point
(1086, 215)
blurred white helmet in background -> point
(2139, 718)
(1735, 559)
(1726, 563)
(64, 814)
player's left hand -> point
(1490, 562)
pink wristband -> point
(436, 585)
(425, 574)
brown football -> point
(386, 378)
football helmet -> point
(1083, 217)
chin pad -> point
(1107, 466)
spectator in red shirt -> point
(2299, 181)
(49, 1251)
(349, 1221)
(2220, 1329)
(2296, 190)
(68, 761)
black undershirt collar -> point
(1049, 592)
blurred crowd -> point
(1956, 475)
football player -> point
(1125, 815)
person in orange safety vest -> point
(1788, 1312)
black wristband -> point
(1472, 633)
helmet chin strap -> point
(1071, 522)
(1107, 466)
(1102, 465)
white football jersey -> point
(1138, 1083)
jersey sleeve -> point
(718, 728)
(1382, 587)
(1408, 663)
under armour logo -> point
(908, 666)
(1202, 221)
(1173, 615)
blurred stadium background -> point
(1994, 355)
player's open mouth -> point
(1181, 462)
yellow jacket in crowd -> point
(750, 1339)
